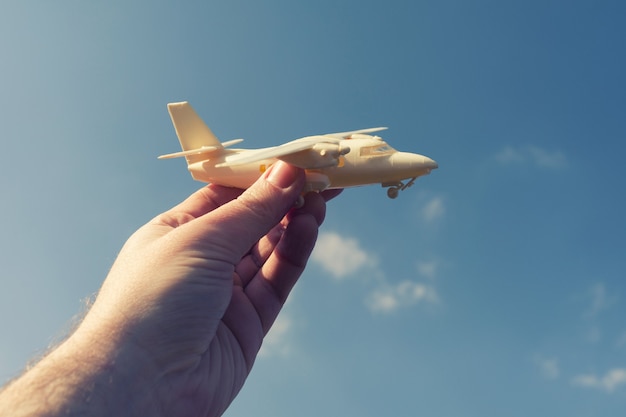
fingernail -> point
(282, 174)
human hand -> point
(200, 285)
(181, 316)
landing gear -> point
(393, 192)
(396, 187)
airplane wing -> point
(345, 135)
(324, 152)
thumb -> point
(232, 229)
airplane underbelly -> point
(239, 177)
(364, 174)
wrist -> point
(88, 374)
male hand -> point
(179, 320)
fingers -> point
(330, 194)
(250, 264)
(269, 272)
(198, 204)
(284, 266)
(269, 288)
(230, 231)
(208, 199)
(314, 204)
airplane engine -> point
(321, 155)
(329, 154)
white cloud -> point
(547, 159)
(621, 341)
(406, 293)
(549, 367)
(599, 300)
(593, 334)
(534, 155)
(276, 342)
(341, 256)
(609, 382)
(509, 155)
(433, 210)
(427, 269)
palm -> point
(180, 318)
(209, 329)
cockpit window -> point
(376, 150)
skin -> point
(179, 320)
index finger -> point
(206, 200)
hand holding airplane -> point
(333, 160)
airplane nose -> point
(413, 164)
(431, 164)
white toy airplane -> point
(335, 160)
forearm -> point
(82, 377)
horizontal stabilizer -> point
(204, 149)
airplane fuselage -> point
(369, 161)
(331, 160)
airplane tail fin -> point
(193, 133)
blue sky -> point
(494, 286)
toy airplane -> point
(335, 160)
